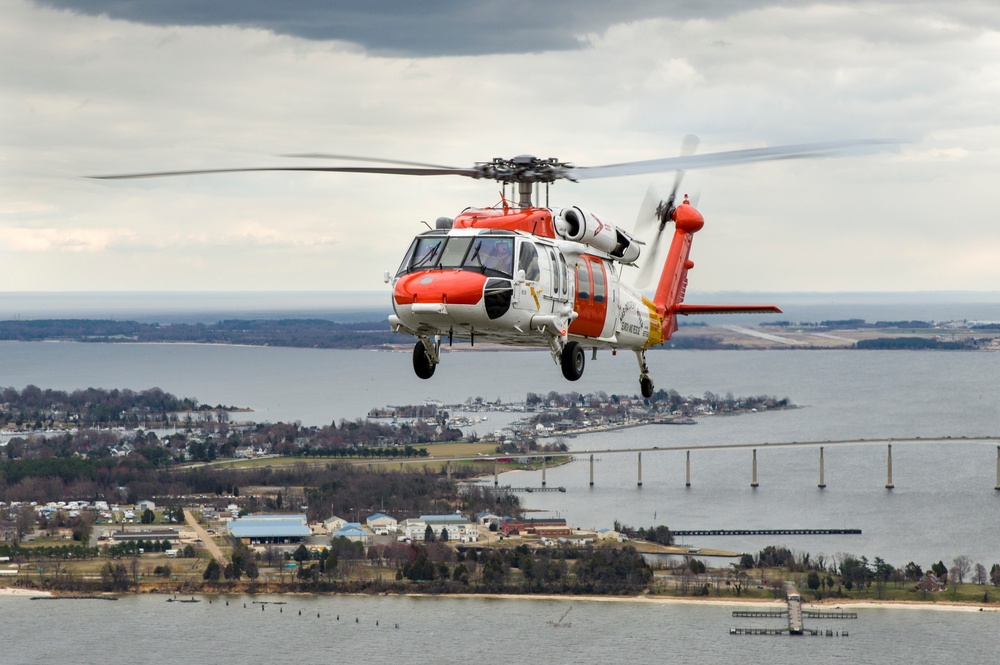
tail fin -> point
(672, 286)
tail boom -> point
(668, 302)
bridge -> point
(688, 449)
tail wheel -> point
(422, 365)
(573, 360)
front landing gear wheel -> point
(573, 360)
(646, 386)
(422, 364)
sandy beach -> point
(13, 591)
(837, 603)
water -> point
(436, 630)
(944, 503)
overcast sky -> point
(90, 87)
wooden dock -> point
(794, 613)
(814, 614)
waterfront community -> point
(262, 508)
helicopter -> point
(523, 274)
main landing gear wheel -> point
(422, 365)
(573, 360)
(646, 386)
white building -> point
(382, 524)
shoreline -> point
(836, 603)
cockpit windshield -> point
(491, 255)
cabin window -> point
(556, 281)
(582, 281)
(600, 289)
(527, 261)
(563, 275)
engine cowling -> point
(584, 227)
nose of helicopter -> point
(450, 287)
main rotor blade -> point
(719, 159)
(353, 158)
(386, 170)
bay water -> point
(944, 503)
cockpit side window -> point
(426, 252)
(527, 260)
(491, 255)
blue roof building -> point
(266, 529)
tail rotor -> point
(654, 213)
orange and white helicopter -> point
(523, 274)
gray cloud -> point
(415, 29)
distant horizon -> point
(167, 307)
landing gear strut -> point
(645, 382)
(572, 361)
(425, 358)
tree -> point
(962, 565)
(814, 582)
(979, 574)
(995, 574)
(913, 572)
(444, 534)
(212, 572)
(148, 516)
(301, 554)
(251, 570)
(25, 520)
(883, 571)
(429, 534)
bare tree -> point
(962, 566)
(979, 574)
(25, 520)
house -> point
(486, 518)
(611, 534)
(382, 524)
(334, 523)
(459, 528)
(552, 526)
(930, 582)
(354, 532)
(146, 505)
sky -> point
(94, 87)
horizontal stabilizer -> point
(726, 309)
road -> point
(206, 538)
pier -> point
(766, 532)
(794, 614)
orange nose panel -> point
(455, 287)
